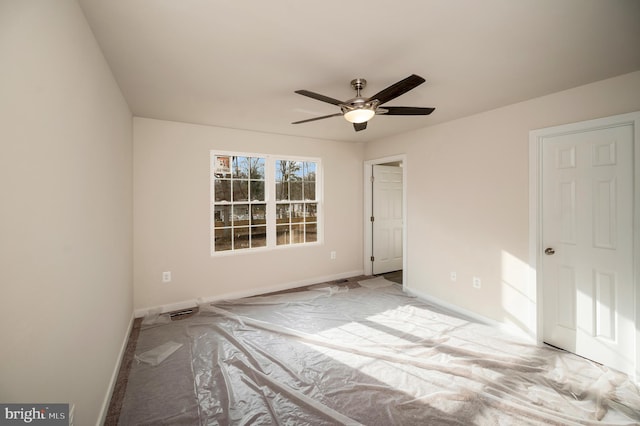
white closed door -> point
(587, 223)
(387, 219)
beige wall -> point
(171, 216)
(468, 197)
(66, 210)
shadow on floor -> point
(395, 276)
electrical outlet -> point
(333, 255)
(166, 277)
(476, 282)
(454, 276)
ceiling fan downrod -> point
(358, 84)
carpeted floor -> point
(117, 397)
(123, 376)
(358, 352)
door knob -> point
(549, 251)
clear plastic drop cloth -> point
(158, 354)
(371, 356)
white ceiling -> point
(236, 63)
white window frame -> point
(270, 201)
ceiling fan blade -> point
(359, 126)
(407, 111)
(317, 118)
(397, 89)
(319, 97)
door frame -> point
(535, 212)
(368, 211)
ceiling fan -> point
(360, 110)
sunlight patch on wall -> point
(518, 294)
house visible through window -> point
(261, 201)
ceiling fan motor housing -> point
(359, 103)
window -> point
(260, 201)
(296, 204)
(239, 203)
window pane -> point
(297, 234)
(240, 190)
(258, 214)
(311, 213)
(282, 234)
(241, 215)
(259, 236)
(288, 170)
(295, 191)
(310, 191)
(281, 171)
(311, 232)
(222, 216)
(222, 239)
(257, 190)
(296, 170)
(241, 167)
(282, 213)
(240, 238)
(297, 212)
(256, 168)
(282, 191)
(222, 166)
(222, 189)
(309, 171)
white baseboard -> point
(505, 327)
(185, 304)
(114, 375)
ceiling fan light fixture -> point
(359, 115)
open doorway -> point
(385, 218)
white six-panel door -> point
(387, 224)
(587, 222)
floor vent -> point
(178, 314)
